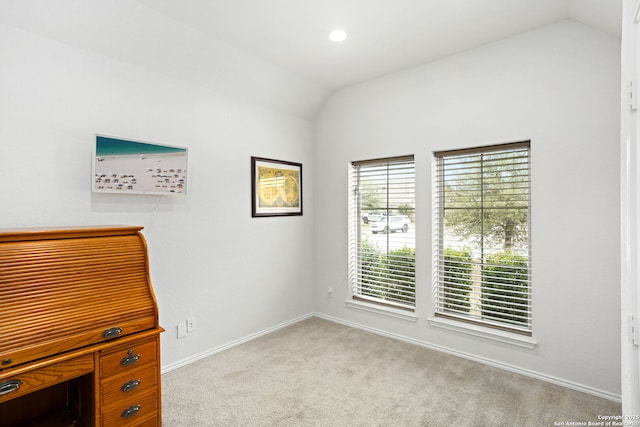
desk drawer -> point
(133, 383)
(132, 411)
(47, 376)
(128, 358)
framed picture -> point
(276, 187)
(126, 166)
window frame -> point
(441, 314)
(358, 299)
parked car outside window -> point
(395, 223)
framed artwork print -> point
(127, 166)
(276, 187)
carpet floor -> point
(320, 373)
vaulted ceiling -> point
(276, 53)
(384, 36)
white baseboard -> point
(507, 367)
(205, 354)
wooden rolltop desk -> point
(79, 332)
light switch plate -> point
(182, 330)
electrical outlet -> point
(182, 330)
(191, 324)
(330, 292)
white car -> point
(395, 223)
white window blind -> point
(382, 231)
(481, 236)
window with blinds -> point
(382, 231)
(481, 236)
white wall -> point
(208, 257)
(557, 86)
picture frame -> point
(128, 166)
(276, 187)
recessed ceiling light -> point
(337, 35)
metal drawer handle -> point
(130, 386)
(111, 333)
(9, 386)
(130, 360)
(131, 411)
